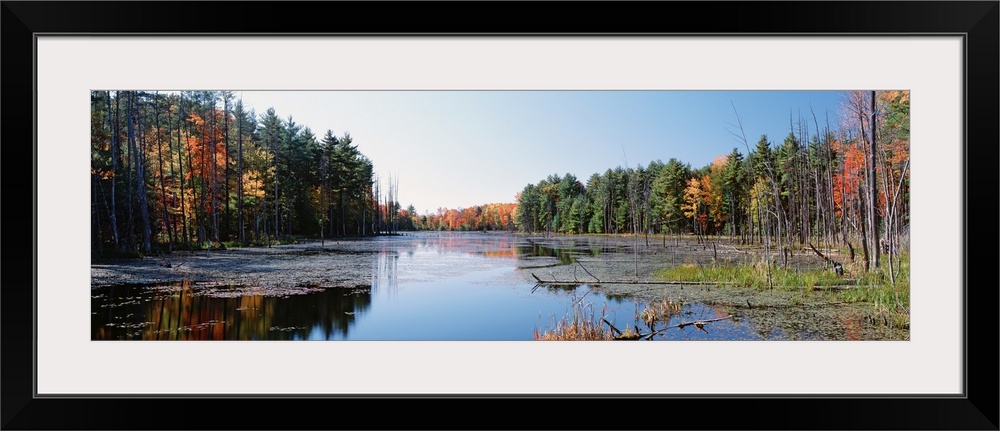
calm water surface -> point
(424, 286)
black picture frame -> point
(976, 21)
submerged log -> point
(617, 334)
(573, 283)
(835, 287)
(700, 324)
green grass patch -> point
(751, 276)
(887, 294)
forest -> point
(820, 185)
(192, 170)
(196, 169)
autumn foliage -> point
(489, 217)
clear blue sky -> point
(457, 149)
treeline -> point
(488, 217)
(818, 185)
(197, 169)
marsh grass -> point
(662, 311)
(880, 290)
(751, 276)
(584, 324)
(890, 300)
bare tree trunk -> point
(225, 133)
(95, 215)
(873, 222)
(323, 194)
(765, 221)
(239, 174)
(844, 209)
(214, 182)
(275, 190)
(274, 150)
(140, 173)
(195, 210)
(820, 216)
(163, 186)
(113, 130)
(130, 183)
(186, 238)
(343, 213)
(205, 191)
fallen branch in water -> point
(540, 266)
(617, 334)
(166, 264)
(585, 269)
(561, 282)
(614, 330)
(837, 266)
(833, 287)
(700, 324)
(637, 335)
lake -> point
(420, 286)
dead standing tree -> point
(761, 213)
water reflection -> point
(184, 312)
(384, 272)
(490, 245)
(565, 252)
(564, 255)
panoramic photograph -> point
(592, 215)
